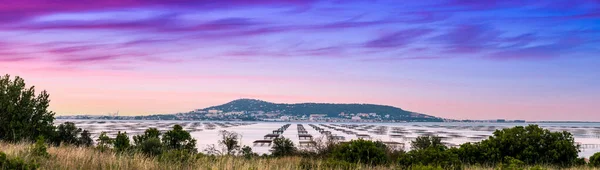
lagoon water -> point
(207, 132)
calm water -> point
(207, 132)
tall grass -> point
(69, 157)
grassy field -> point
(66, 157)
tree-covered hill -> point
(330, 109)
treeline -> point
(24, 117)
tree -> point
(148, 134)
(283, 147)
(67, 134)
(121, 142)
(531, 144)
(151, 146)
(179, 139)
(104, 142)
(431, 156)
(424, 142)
(595, 160)
(230, 141)
(361, 151)
(248, 153)
(85, 139)
(23, 115)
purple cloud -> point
(469, 38)
(397, 39)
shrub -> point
(85, 139)
(67, 133)
(595, 160)
(530, 144)
(230, 141)
(423, 142)
(104, 142)
(39, 148)
(178, 156)
(148, 134)
(247, 152)
(23, 115)
(150, 147)
(360, 151)
(15, 163)
(179, 139)
(434, 157)
(121, 142)
(283, 147)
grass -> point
(68, 157)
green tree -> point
(531, 144)
(39, 148)
(148, 134)
(361, 151)
(230, 141)
(283, 147)
(424, 142)
(121, 142)
(248, 153)
(595, 160)
(67, 133)
(151, 147)
(431, 156)
(85, 139)
(23, 115)
(179, 139)
(104, 142)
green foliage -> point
(247, 152)
(595, 160)
(151, 146)
(148, 134)
(177, 155)
(85, 139)
(121, 142)
(283, 147)
(15, 163)
(423, 142)
(179, 139)
(230, 141)
(431, 156)
(425, 167)
(104, 142)
(361, 151)
(23, 115)
(39, 148)
(67, 133)
(530, 144)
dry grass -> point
(66, 157)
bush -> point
(247, 152)
(595, 160)
(148, 134)
(283, 147)
(104, 142)
(531, 144)
(150, 147)
(67, 133)
(424, 142)
(178, 156)
(15, 163)
(121, 142)
(179, 139)
(23, 115)
(85, 139)
(39, 148)
(230, 142)
(361, 151)
(431, 157)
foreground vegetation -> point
(71, 157)
(29, 140)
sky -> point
(459, 59)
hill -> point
(330, 109)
